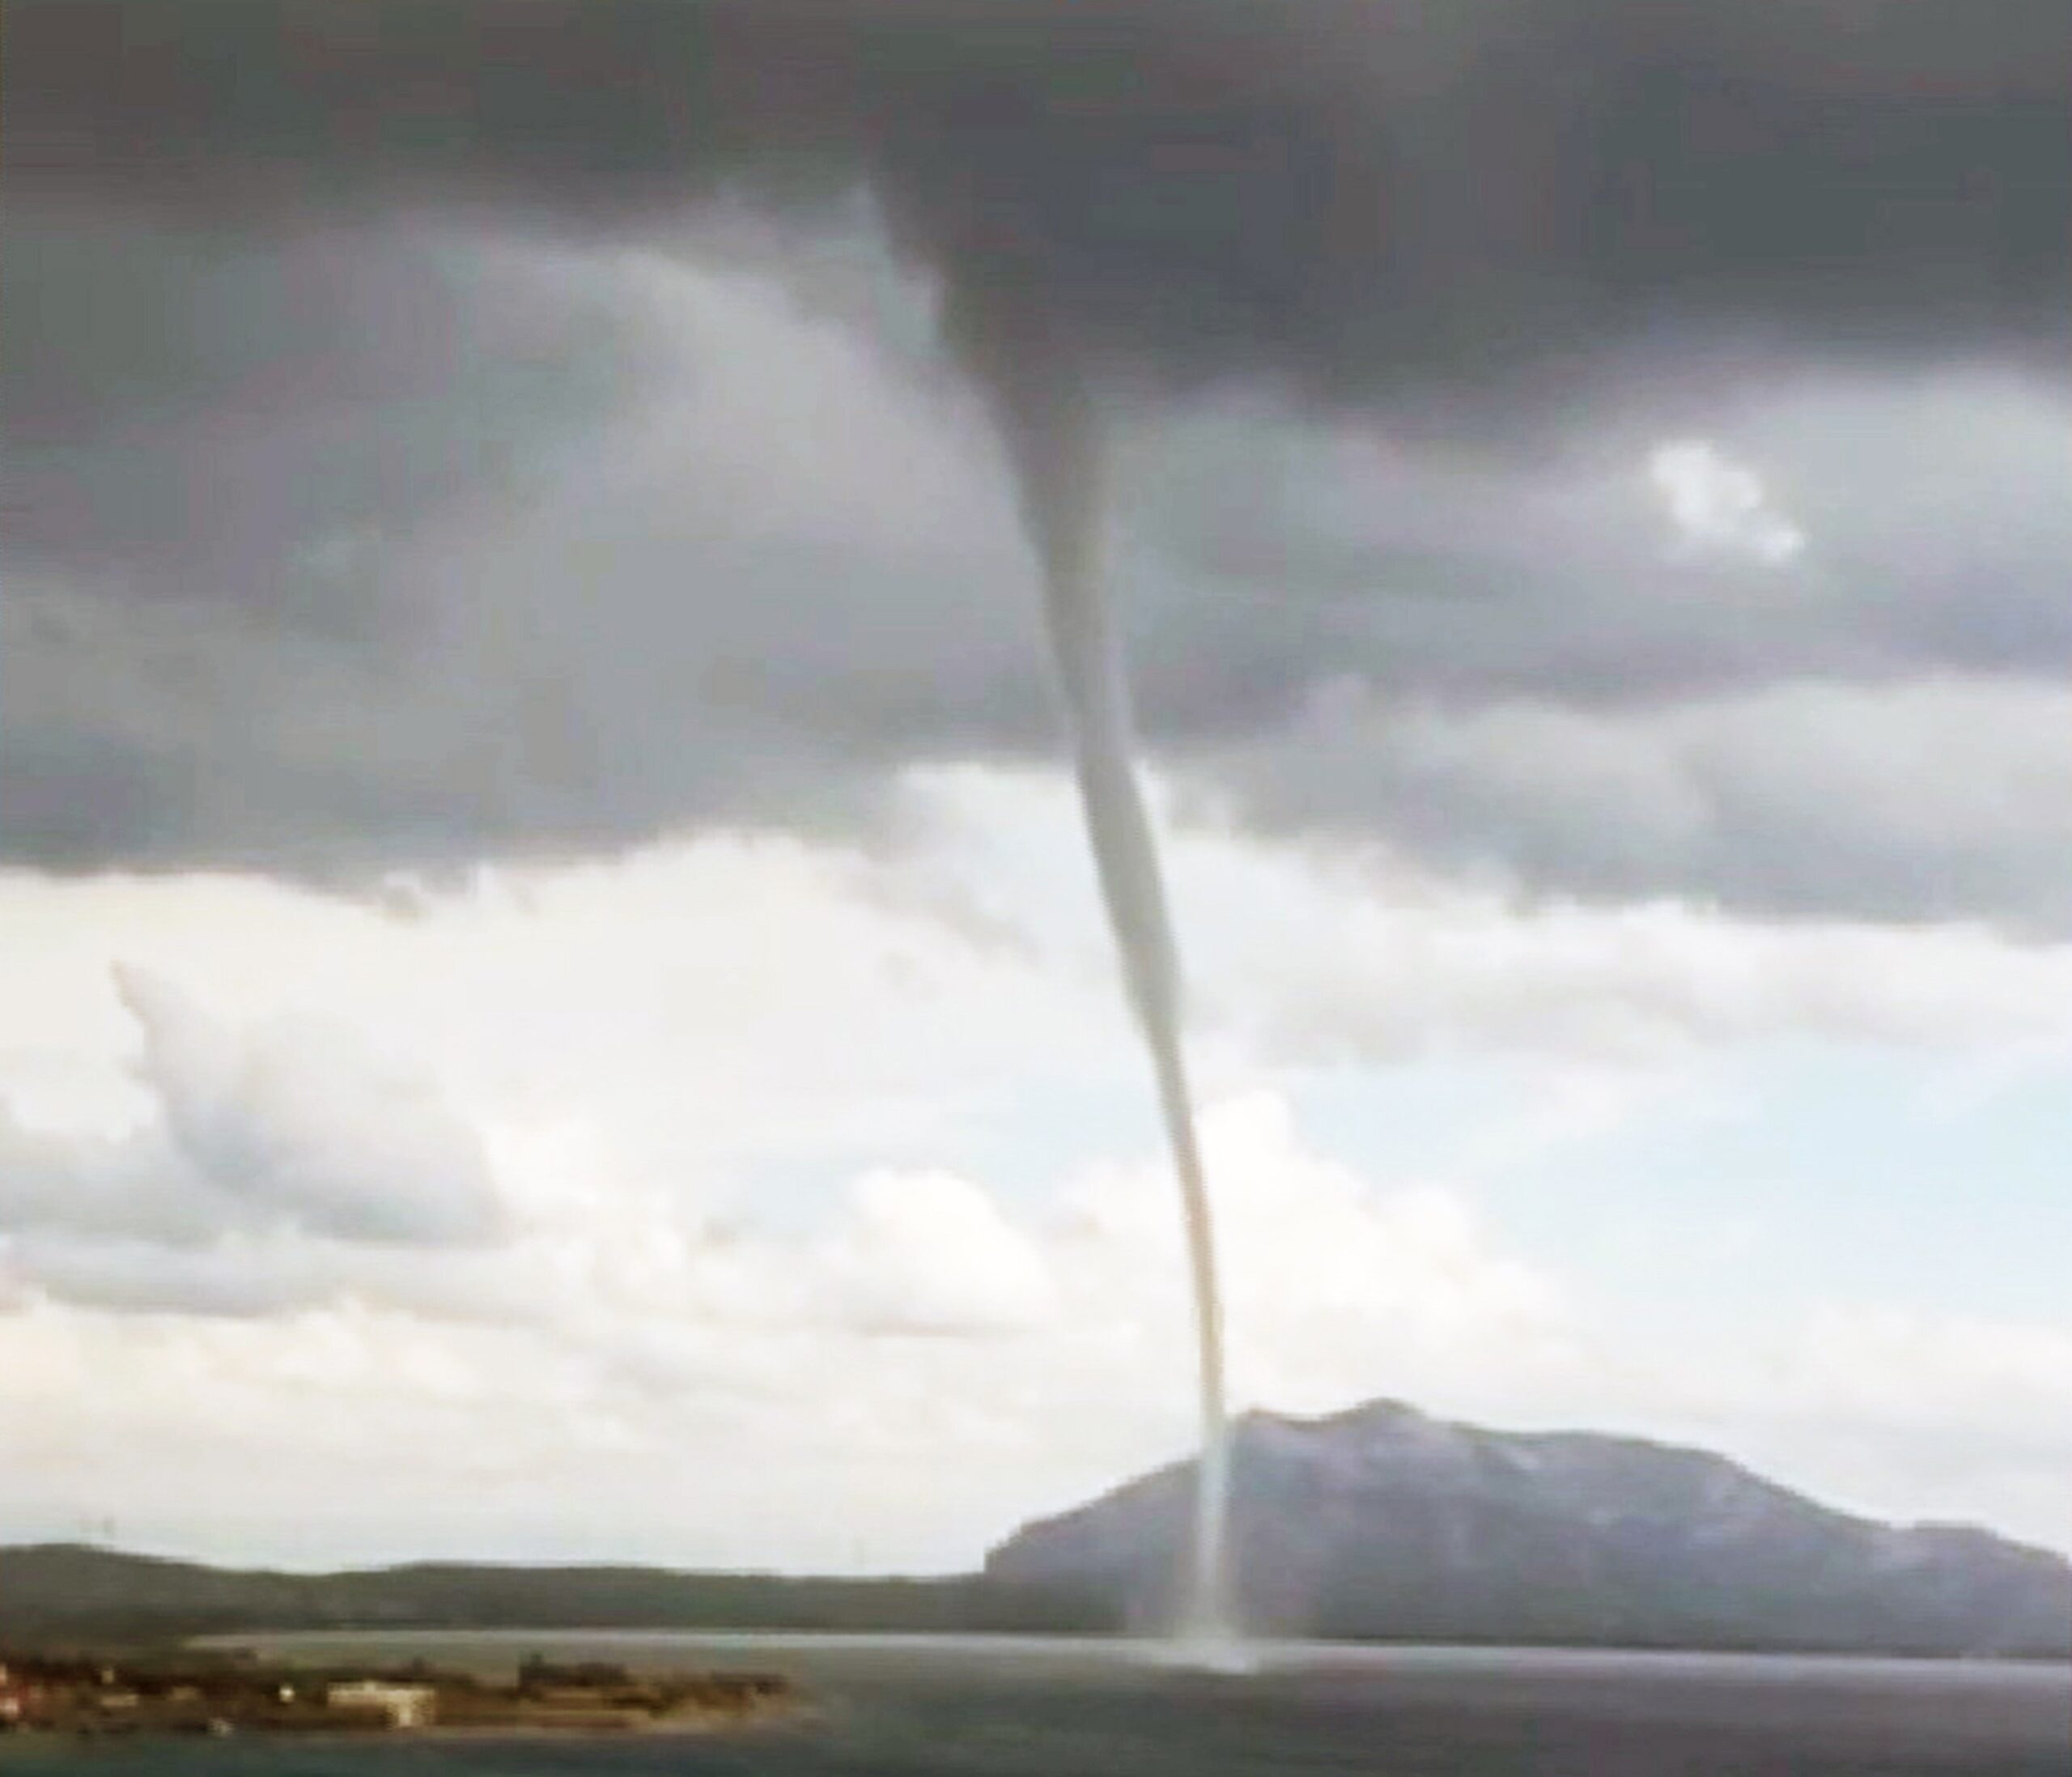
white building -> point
(405, 1705)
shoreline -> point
(472, 1734)
(1155, 1648)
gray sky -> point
(531, 849)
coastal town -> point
(191, 1694)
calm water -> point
(938, 1707)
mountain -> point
(1381, 1523)
(1376, 1523)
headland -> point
(184, 1692)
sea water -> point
(885, 1706)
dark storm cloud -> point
(1940, 799)
(220, 406)
(1359, 190)
(712, 563)
(1932, 515)
(341, 529)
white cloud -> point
(1897, 1412)
(130, 1184)
(726, 1359)
(930, 1252)
(711, 1112)
(697, 1007)
(676, 1395)
(268, 1170)
(1336, 1285)
(297, 1120)
(1718, 505)
(1891, 1367)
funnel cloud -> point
(1047, 416)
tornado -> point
(1477, 222)
(1041, 393)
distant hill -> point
(1382, 1523)
(56, 1593)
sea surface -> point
(940, 1707)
